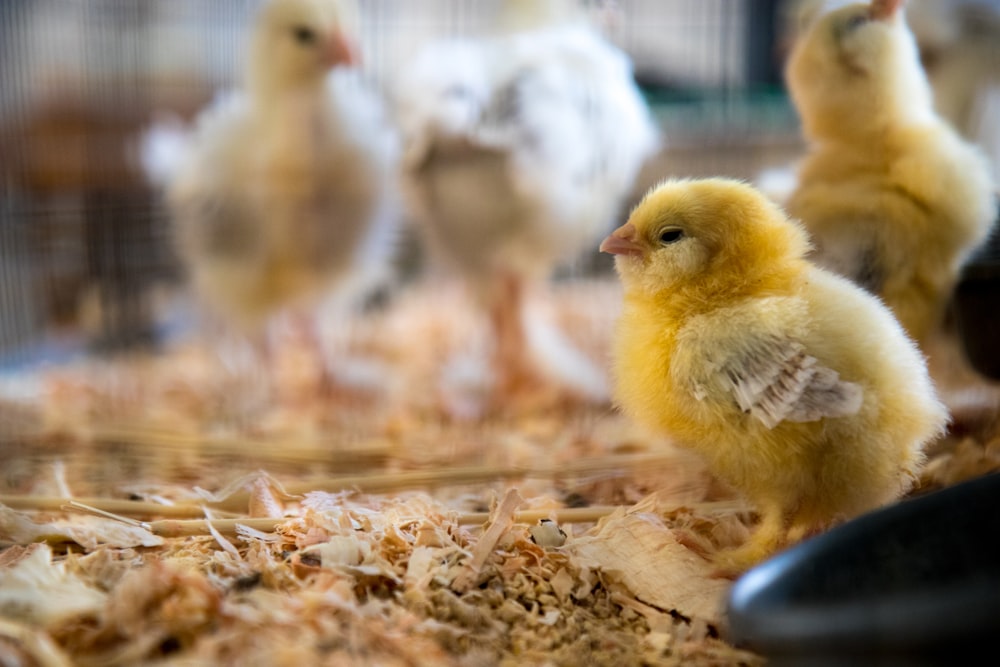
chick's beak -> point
(340, 50)
(883, 10)
(622, 241)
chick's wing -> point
(766, 372)
(779, 381)
(216, 226)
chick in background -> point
(519, 148)
(284, 193)
(959, 46)
(798, 388)
(892, 196)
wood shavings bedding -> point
(340, 534)
(390, 580)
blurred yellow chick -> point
(285, 190)
(893, 197)
(797, 388)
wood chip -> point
(89, 532)
(640, 552)
(25, 645)
(37, 590)
(500, 521)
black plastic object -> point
(916, 583)
(976, 307)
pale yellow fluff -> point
(892, 196)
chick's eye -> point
(671, 235)
(304, 35)
(856, 21)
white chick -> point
(519, 149)
(287, 187)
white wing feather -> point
(778, 380)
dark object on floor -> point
(917, 583)
(977, 307)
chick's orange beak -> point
(882, 10)
(622, 241)
(340, 50)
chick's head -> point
(706, 239)
(295, 42)
(856, 69)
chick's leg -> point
(245, 381)
(511, 368)
(808, 522)
(320, 359)
(341, 373)
(769, 536)
(532, 357)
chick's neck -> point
(269, 92)
(868, 130)
(718, 289)
(884, 103)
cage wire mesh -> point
(84, 239)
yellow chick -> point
(893, 197)
(284, 197)
(798, 388)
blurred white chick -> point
(519, 149)
(286, 188)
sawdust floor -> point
(399, 522)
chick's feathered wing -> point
(768, 373)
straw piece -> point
(284, 449)
(198, 527)
(588, 514)
(175, 528)
(381, 483)
(118, 506)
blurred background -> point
(86, 263)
